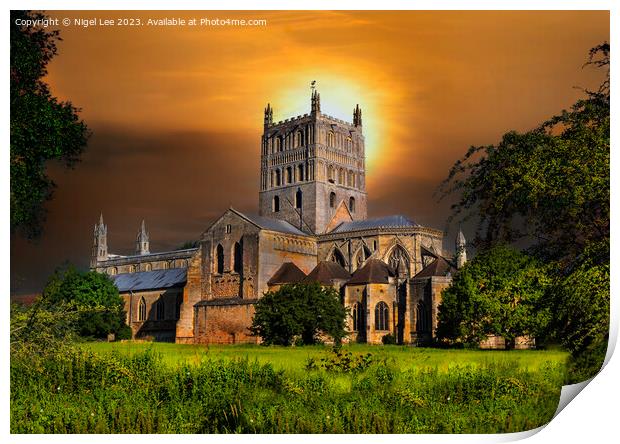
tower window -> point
(238, 258)
(278, 144)
(228, 229)
(332, 199)
(289, 175)
(382, 315)
(278, 178)
(275, 206)
(352, 205)
(299, 138)
(300, 173)
(330, 138)
(298, 199)
(220, 259)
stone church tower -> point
(313, 168)
(142, 240)
(100, 243)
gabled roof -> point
(326, 272)
(375, 271)
(397, 221)
(439, 267)
(150, 280)
(288, 273)
(266, 223)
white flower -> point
(448, 398)
(41, 410)
(92, 414)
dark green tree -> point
(549, 188)
(42, 127)
(299, 311)
(500, 292)
(94, 295)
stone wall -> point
(226, 322)
(160, 329)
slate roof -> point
(271, 224)
(288, 273)
(396, 221)
(326, 272)
(439, 267)
(150, 280)
(374, 271)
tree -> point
(94, 294)
(500, 292)
(299, 311)
(548, 186)
(42, 127)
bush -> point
(299, 314)
(388, 339)
(124, 333)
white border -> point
(592, 417)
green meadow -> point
(140, 387)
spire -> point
(142, 240)
(100, 243)
(357, 116)
(461, 249)
(268, 116)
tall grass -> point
(84, 392)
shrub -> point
(388, 339)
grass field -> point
(292, 359)
(135, 387)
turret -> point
(357, 116)
(315, 107)
(142, 240)
(100, 243)
(268, 116)
(461, 251)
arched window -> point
(358, 317)
(276, 204)
(362, 255)
(147, 267)
(299, 138)
(165, 266)
(142, 310)
(341, 176)
(298, 198)
(112, 271)
(278, 143)
(421, 318)
(382, 316)
(330, 138)
(289, 175)
(331, 174)
(220, 259)
(399, 261)
(300, 172)
(132, 268)
(278, 178)
(332, 199)
(338, 257)
(349, 144)
(352, 204)
(160, 309)
(238, 258)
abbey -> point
(312, 225)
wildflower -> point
(41, 410)
(448, 398)
(58, 388)
(251, 420)
(92, 414)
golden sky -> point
(176, 112)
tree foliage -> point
(500, 292)
(43, 128)
(549, 186)
(299, 311)
(101, 307)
